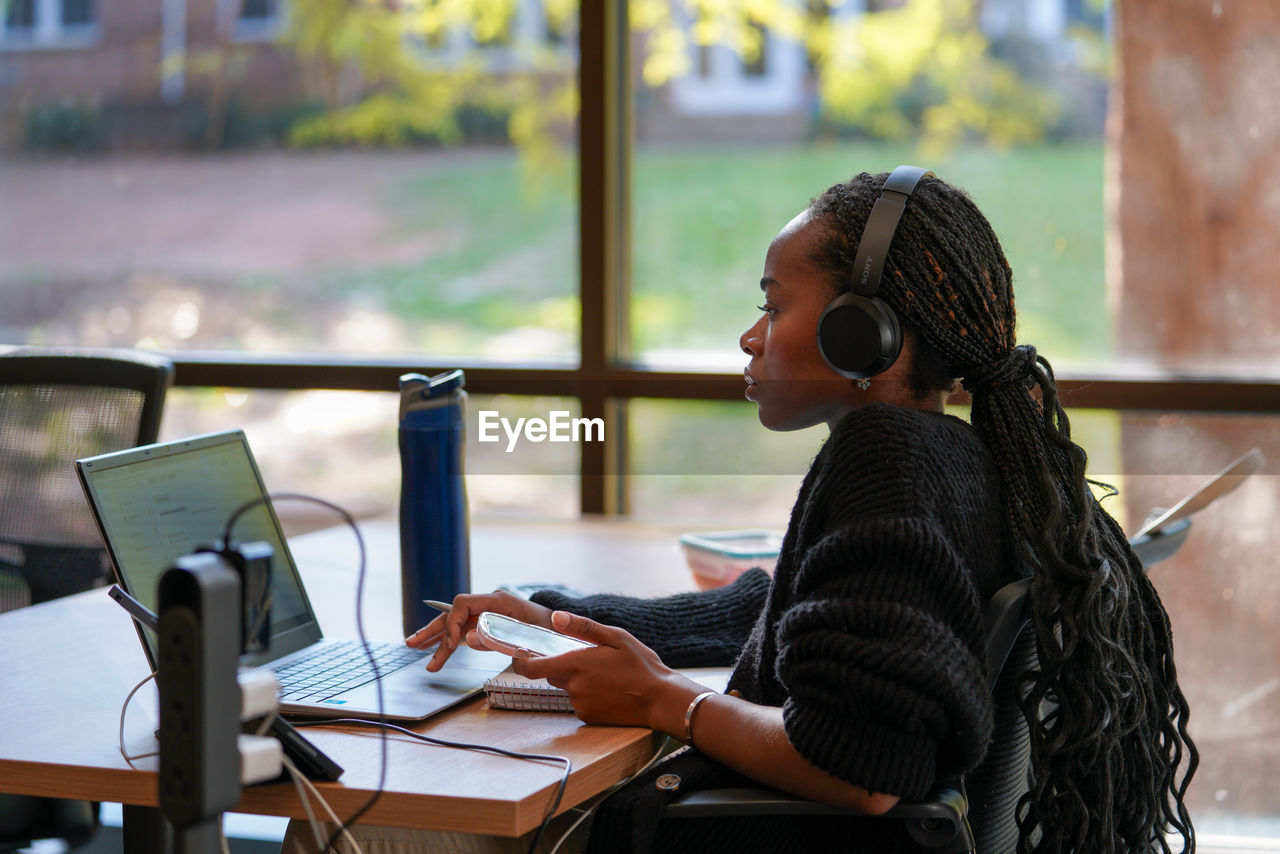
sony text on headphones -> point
(858, 334)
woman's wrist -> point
(670, 703)
(670, 711)
(690, 711)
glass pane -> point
(1223, 595)
(1122, 267)
(734, 142)
(710, 465)
(20, 14)
(257, 9)
(342, 447)
(702, 232)
(77, 12)
(270, 213)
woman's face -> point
(787, 377)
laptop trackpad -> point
(414, 693)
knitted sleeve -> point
(880, 658)
(702, 629)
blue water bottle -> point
(435, 557)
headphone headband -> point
(877, 236)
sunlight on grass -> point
(503, 263)
(704, 218)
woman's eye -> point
(767, 309)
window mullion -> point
(604, 136)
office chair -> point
(57, 406)
(945, 820)
(979, 813)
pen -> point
(443, 607)
(136, 609)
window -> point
(757, 64)
(20, 15)
(435, 245)
(259, 20)
(306, 441)
(258, 9)
(769, 81)
(48, 24)
(77, 13)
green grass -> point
(504, 258)
(501, 258)
(703, 220)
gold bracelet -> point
(688, 715)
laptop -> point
(156, 503)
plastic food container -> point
(718, 557)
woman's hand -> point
(620, 681)
(452, 628)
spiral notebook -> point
(509, 690)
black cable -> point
(364, 642)
(501, 751)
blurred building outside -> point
(183, 74)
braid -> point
(1111, 755)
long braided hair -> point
(1111, 756)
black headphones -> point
(858, 334)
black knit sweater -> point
(869, 636)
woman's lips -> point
(751, 383)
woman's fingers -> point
(586, 629)
(453, 629)
(427, 635)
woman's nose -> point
(749, 341)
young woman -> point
(858, 668)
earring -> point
(864, 384)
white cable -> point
(579, 820)
(488, 748)
(296, 776)
(300, 780)
(267, 721)
(661, 751)
(125, 708)
(360, 634)
(332, 815)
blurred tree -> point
(899, 70)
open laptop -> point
(159, 502)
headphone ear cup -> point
(858, 336)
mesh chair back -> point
(55, 407)
(995, 787)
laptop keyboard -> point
(339, 667)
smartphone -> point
(522, 640)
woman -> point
(858, 669)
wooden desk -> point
(71, 662)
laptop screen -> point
(157, 503)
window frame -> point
(605, 378)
